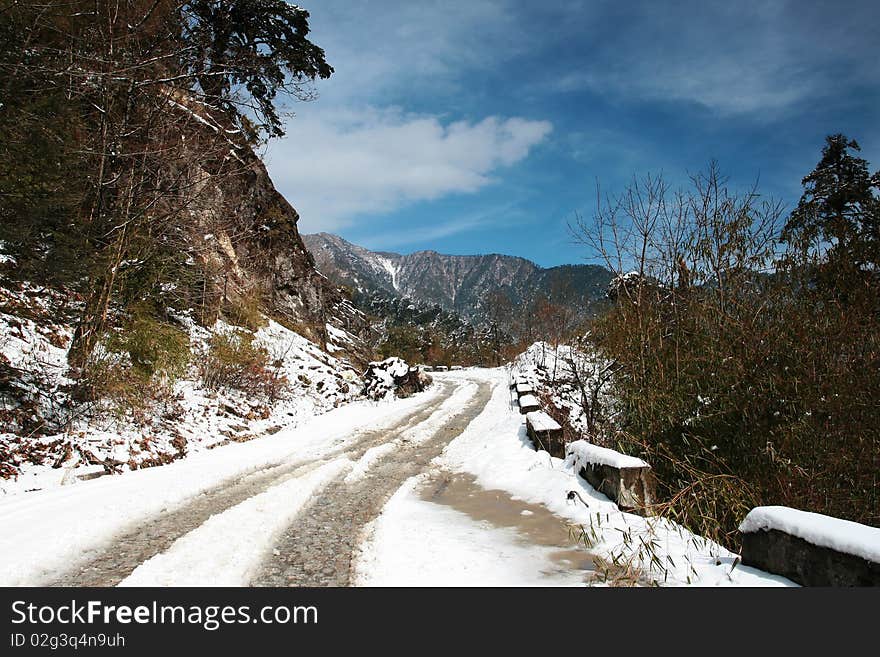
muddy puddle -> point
(533, 523)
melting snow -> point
(237, 539)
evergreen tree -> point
(259, 46)
(109, 114)
(839, 212)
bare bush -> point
(734, 380)
(234, 362)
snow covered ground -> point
(414, 541)
(46, 532)
(420, 543)
(572, 377)
(76, 439)
(418, 539)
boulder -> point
(394, 376)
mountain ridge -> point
(473, 286)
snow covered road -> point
(317, 549)
(153, 526)
(360, 496)
(96, 532)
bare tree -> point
(685, 331)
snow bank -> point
(187, 420)
(570, 378)
(824, 531)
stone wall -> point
(807, 564)
(633, 489)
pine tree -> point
(256, 46)
(839, 212)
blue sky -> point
(482, 126)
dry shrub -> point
(134, 369)
(741, 382)
(234, 361)
(154, 346)
(771, 402)
(245, 311)
(109, 384)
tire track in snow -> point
(316, 550)
(226, 549)
(113, 562)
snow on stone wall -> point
(825, 531)
(581, 453)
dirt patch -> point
(534, 523)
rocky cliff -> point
(243, 236)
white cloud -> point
(726, 89)
(333, 166)
(744, 58)
(350, 154)
(354, 152)
(493, 216)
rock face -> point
(807, 564)
(244, 235)
(463, 284)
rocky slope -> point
(206, 365)
(243, 234)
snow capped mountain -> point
(462, 284)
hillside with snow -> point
(51, 435)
